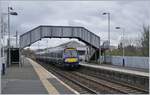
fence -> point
(135, 61)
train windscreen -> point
(70, 53)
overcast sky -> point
(130, 15)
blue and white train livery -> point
(66, 57)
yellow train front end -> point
(71, 58)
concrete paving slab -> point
(22, 80)
(24, 87)
(24, 72)
(32, 78)
(60, 88)
(117, 69)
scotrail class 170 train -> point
(65, 57)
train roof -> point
(54, 49)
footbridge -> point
(80, 33)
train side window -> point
(52, 55)
(59, 55)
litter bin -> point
(123, 63)
(3, 68)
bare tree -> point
(145, 40)
(128, 41)
(138, 43)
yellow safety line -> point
(43, 75)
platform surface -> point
(135, 71)
(32, 78)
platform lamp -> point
(108, 14)
(16, 36)
(15, 14)
(123, 30)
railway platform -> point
(130, 76)
(127, 70)
(32, 78)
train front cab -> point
(71, 58)
(71, 62)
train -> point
(63, 57)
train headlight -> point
(66, 60)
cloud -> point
(129, 15)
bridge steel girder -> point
(79, 33)
(40, 32)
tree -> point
(120, 45)
(138, 42)
(145, 40)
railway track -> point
(82, 89)
(120, 85)
(88, 84)
(114, 86)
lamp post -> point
(99, 50)
(47, 46)
(16, 38)
(123, 30)
(108, 14)
(3, 27)
(2, 34)
(9, 13)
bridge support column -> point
(95, 56)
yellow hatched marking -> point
(44, 75)
(71, 60)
